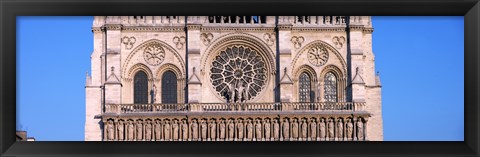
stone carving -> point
(258, 129)
(148, 131)
(128, 42)
(213, 129)
(194, 131)
(130, 130)
(238, 73)
(249, 130)
(304, 127)
(231, 129)
(203, 128)
(286, 129)
(295, 129)
(331, 129)
(239, 129)
(166, 130)
(206, 38)
(297, 41)
(179, 41)
(110, 131)
(269, 38)
(318, 55)
(184, 127)
(360, 129)
(276, 129)
(349, 129)
(338, 41)
(321, 126)
(266, 127)
(222, 129)
(313, 129)
(154, 54)
(139, 130)
(340, 129)
(158, 130)
(120, 130)
(175, 130)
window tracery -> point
(140, 89)
(330, 87)
(304, 87)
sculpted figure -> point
(321, 126)
(120, 130)
(276, 129)
(213, 129)
(266, 126)
(304, 128)
(360, 129)
(231, 129)
(131, 130)
(110, 131)
(175, 130)
(239, 129)
(313, 129)
(340, 129)
(203, 128)
(139, 130)
(286, 129)
(331, 129)
(349, 129)
(184, 130)
(194, 127)
(148, 131)
(295, 129)
(222, 129)
(158, 129)
(258, 129)
(249, 130)
(240, 89)
(166, 130)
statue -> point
(175, 130)
(331, 129)
(258, 129)
(120, 131)
(184, 130)
(266, 127)
(313, 129)
(276, 129)
(360, 129)
(213, 129)
(286, 129)
(158, 128)
(232, 93)
(349, 129)
(110, 131)
(203, 128)
(240, 90)
(166, 131)
(148, 131)
(130, 130)
(194, 127)
(231, 129)
(304, 129)
(249, 130)
(222, 129)
(295, 129)
(153, 92)
(139, 131)
(239, 129)
(340, 129)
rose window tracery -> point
(318, 55)
(154, 54)
(238, 73)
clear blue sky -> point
(420, 60)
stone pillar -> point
(365, 129)
(285, 54)
(193, 56)
(354, 128)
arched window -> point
(304, 87)
(169, 88)
(330, 87)
(140, 88)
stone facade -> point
(233, 78)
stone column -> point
(354, 128)
(365, 129)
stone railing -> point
(235, 107)
(322, 21)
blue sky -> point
(420, 60)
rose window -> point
(238, 73)
(154, 54)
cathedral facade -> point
(233, 78)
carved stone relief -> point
(128, 42)
(318, 55)
(179, 41)
(338, 41)
(206, 38)
(154, 54)
(269, 38)
(297, 41)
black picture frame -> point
(470, 9)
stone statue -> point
(130, 130)
(148, 131)
(231, 129)
(266, 127)
(258, 129)
(360, 129)
(110, 131)
(194, 127)
(340, 129)
(286, 129)
(222, 129)
(321, 126)
(184, 130)
(120, 130)
(158, 129)
(213, 129)
(295, 129)
(175, 130)
(304, 129)
(203, 128)
(232, 93)
(349, 129)
(249, 130)
(240, 91)
(166, 130)
(276, 129)
(313, 129)
(239, 129)
(139, 131)
(331, 129)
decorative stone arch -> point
(246, 40)
(320, 43)
(313, 82)
(130, 75)
(341, 82)
(180, 81)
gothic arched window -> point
(330, 87)
(140, 88)
(169, 88)
(304, 87)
